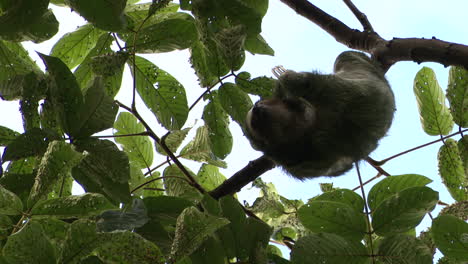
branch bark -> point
(387, 52)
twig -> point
(360, 16)
(366, 209)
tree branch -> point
(387, 52)
(241, 178)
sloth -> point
(320, 124)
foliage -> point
(136, 212)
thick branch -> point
(386, 52)
(241, 178)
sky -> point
(302, 46)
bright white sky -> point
(302, 46)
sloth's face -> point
(277, 121)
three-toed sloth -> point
(320, 124)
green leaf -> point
(97, 113)
(211, 251)
(450, 236)
(138, 148)
(261, 86)
(10, 204)
(233, 235)
(28, 20)
(29, 245)
(463, 148)
(73, 47)
(452, 171)
(434, 114)
(107, 65)
(84, 73)
(176, 184)
(57, 162)
(65, 94)
(333, 217)
(192, 229)
(81, 240)
(217, 122)
(344, 196)
(457, 94)
(165, 32)
(402, 248)
(139, 12)
(106, 15)
(75, 206)
(129, 247)
(392, 185)
(173, 140)
(235, 102)
(15, 64)
(258, 236)
(207, 63)
(209, 177)
(404, 210)
(199, 149)
(7, 135)
(328, 248)
(104, 170)
(162, 93)
(230, 42)
(124, 219)
(18, 183)
(31, 143)
(258, 45)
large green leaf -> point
(173, 140)
(402, 248)
(75, 206)
(199, 149)
(65, 94)
(457, 94)
(217, 122)
(57, 162)
(333, 217)
(392, 185)
(81, 240)
(7, 135)
(449, 235)
(106, 15)
(404, 210)
(27, 20)
(162, 93)
(344, 196)
(261, 86)
(192, 229)
(33, 142)
(29, 245)
(105, 170)
(84, 73)
(138, 148)
(452, 170)
(74, 46)
(129, 247)
(235, 102)
(435, 116)
(15, 63)
(97, 113)
(328, 248)
(176, 184)
(163, 33)
(209, 177)
(10, 204)
(207, 63)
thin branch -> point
(163, 145)
(420, 146)
(366, 208)
(360, 16)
